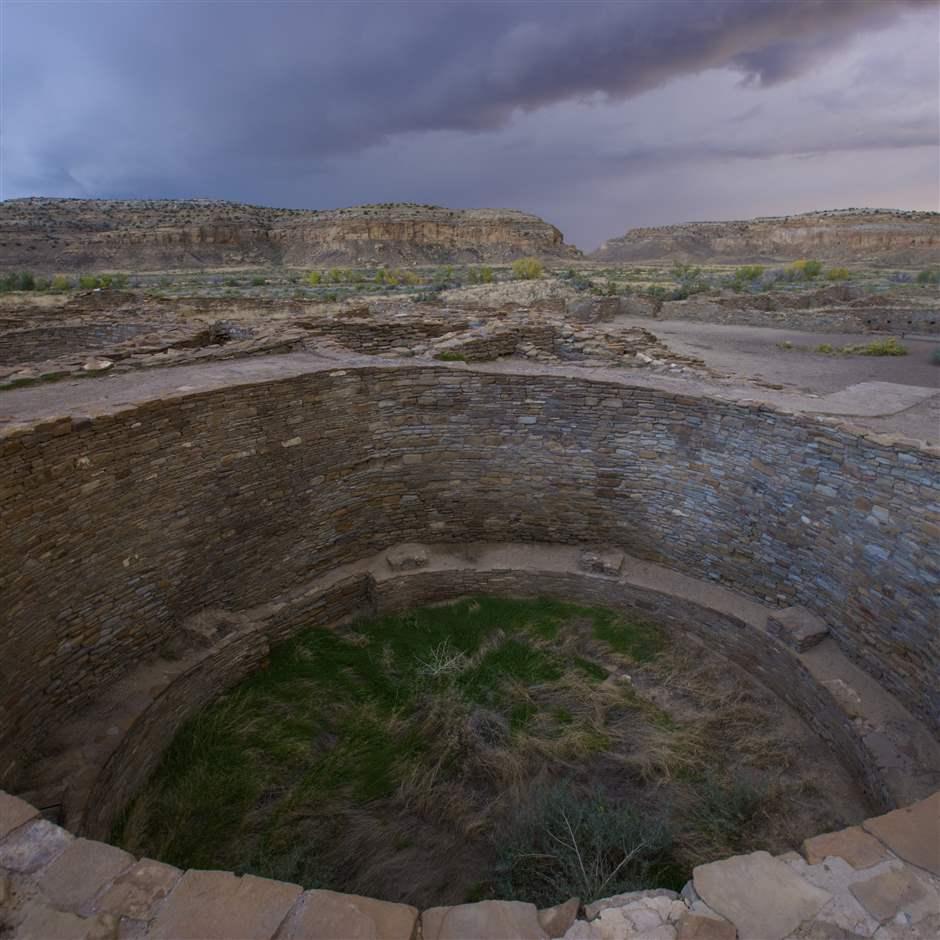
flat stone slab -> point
(31, 847)
(41, 922)
(327, 915)
(702, 927)
(135, 892)
(856, 846)
(762, 896)
(897, 892)
(77, 875)
(13, 813)
(607, 561)
(485, 920)
(913, 833)
(217, 905)
(797, 628)
(407, 557)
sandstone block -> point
(81, 871)
(797, 628)
(913, 833)
(42, 922)
(407, 557)
(30, 847)
(485, 920)
(594, 909)
(13, 813)
(854, 845)
(897, 892)
(325, 915)
(556, 921)
(135, 892)
(702, 927)
(217, 905)
(761, 896)
(607, 561)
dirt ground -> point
(756, 353)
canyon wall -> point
(875, 236)
(68, 235)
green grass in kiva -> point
(485, 748)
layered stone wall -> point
(116, 528)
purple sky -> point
(597, 116)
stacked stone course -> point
(117, 527)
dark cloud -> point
(107, 98)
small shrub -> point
(448, 356)
(106, 280)
(88, 282)
(880, 347)
(564, 843)
(119, 281)
(486, 274)
(826, 348)
(837, 274)
(928, 276)
(935, 356)
(750, 272)
(314, 278)
(61, 283)
(806, 268)
(527, 269)
(27, 281)
(257, 281)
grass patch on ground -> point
(878, 347)
(474, 749)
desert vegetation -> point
(490, 747)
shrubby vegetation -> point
(491, 747)
(527, 269)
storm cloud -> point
(288, 102)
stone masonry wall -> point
(116, 528)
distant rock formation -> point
(66, 235)
(879, 236)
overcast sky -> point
(597, 116)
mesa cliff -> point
(879, 236)
(63, 235)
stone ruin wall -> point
(117, 528)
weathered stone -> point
(855, 845)
(408, 557)
(135, 892)
(13, 813)
(797, 627)
(913, 833)
(556, 920)
(325, 915)
(78, 874)
(897, 892)
(607, 561)
(836, 876)
(761, 896)
(594, 909)
(702, 927)
(582, 930)
(33, 845)
(216, 905)
(485, 920)
(42, 922)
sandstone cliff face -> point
(878, 236)
(64, 235)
